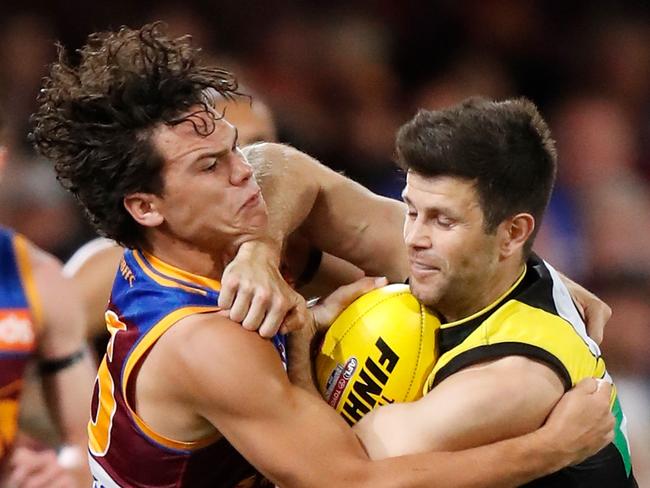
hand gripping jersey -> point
(19, 312)
(147, 299)
(537, 318)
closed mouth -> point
(252, 200)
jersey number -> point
(99, 427)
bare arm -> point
(595, 312)
(295, 439)
(63, 335)
(342, 217)
(476, 406)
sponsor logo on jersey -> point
(16, 333)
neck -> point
(491, 288)
(189, 257)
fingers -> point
(257, 311)
(32, 469)
(228, 291)
(594, 386)
(274, 317)
(296, 318)
(587, 386)
(596, 318)
(326, 312)
(345, 295)
(241, 304)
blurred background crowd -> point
(341, 76)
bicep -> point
(473, 407)
(286, 433)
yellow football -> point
(379, 350)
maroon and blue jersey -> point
(19, 314)
(148, 298)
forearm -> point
(68, 394)
(508, 463)
(300, 364)
(289, 190)
(336, 214)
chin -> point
(426, 294)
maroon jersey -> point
(148, 298)
(18, 315)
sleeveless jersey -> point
(19, 314)
(537, 318)
(148, 298)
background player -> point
(41, 320)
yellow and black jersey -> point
(537, 318)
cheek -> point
(466, 253)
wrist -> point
(547, 450)
(262, 245)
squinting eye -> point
(211, 167)
(445, 222)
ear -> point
(514, 232)
(144, 208)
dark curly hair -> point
(95, 119)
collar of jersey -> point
(177, 275)
(491, 306)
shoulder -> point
(209, 344)
(99, 252)
(217, 365)
(55, 302)
(272, 149)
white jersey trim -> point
(568, 311)
(101, 478)
(84, 253)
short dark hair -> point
(95, 119)
(504, 147)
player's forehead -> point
(430, 193)
(200, 130)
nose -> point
(241, 171)
(416, 234)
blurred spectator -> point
(600, 195)
(34, 204)
(26, 47)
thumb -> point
(333, 305)
(587, 385)
(345, 295)
(603, 388)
